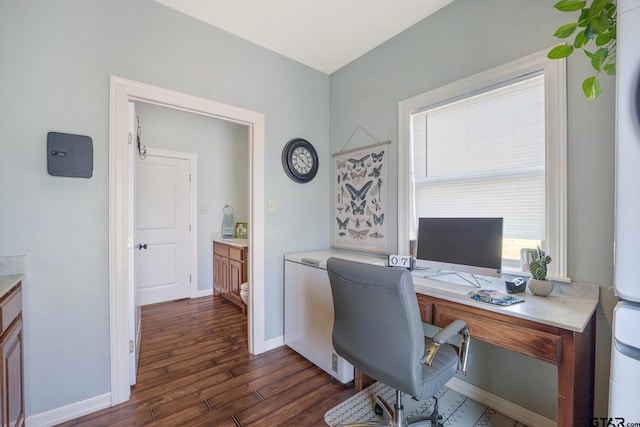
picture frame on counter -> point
(242, 230)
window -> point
(490, 145)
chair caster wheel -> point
(378, 410)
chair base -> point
(396, 416)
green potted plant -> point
(538, 283)
(596, 25)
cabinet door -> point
(224, 275)
(235, 280)
(217, 274)
(12, 378)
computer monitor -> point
(461, 245)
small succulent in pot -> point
(538, 266)
(538, 283)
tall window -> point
(490, 146)
(483, 156)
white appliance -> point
(308, 309)
(624, 387)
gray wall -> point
(56, 60)
(463, 39)
(223, 175)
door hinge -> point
(189, 278)
(189, 227)
(130, 138)
(132, 346)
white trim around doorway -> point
(121, 92)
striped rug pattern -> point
(456, 409)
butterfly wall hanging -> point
(359, 199)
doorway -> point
(120, 242)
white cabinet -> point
(308, 310)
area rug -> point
(456, 409)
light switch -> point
(271, 206)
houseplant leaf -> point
(604, 38)
(598, 58)
(561, 51)
(598, 18)
(599, 24)
(566, 30)
(610, 69)
(597, 6)
(582, 21)
(591, 87)
(580, 40)
(569, 5)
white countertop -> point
(12, 271)
(8, 282)
(319, 258)
(570, 305)
(239, 243)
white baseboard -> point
(501, 405)
(203, 293)
(274, 343)
(69, 412)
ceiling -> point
(323, 34)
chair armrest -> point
(449, 331)
(452, 329)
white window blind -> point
(484, 155)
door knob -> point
(141, 246)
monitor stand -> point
(475, 278)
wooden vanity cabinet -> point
(11, 362)
(229, 271)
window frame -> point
(555, 147)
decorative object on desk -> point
(495, 297)
(401, 261)
(242, 230)
(300, 160)
(526, 256)
(515, 286)
(538, 283)
(227, 222)
(360, 199)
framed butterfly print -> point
(360, 199)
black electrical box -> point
(69, 155)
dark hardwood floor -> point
(195, 370)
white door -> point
(162, 229)
(134, 308)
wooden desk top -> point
(570, 305)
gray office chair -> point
(378, 329)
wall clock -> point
(300, 160)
